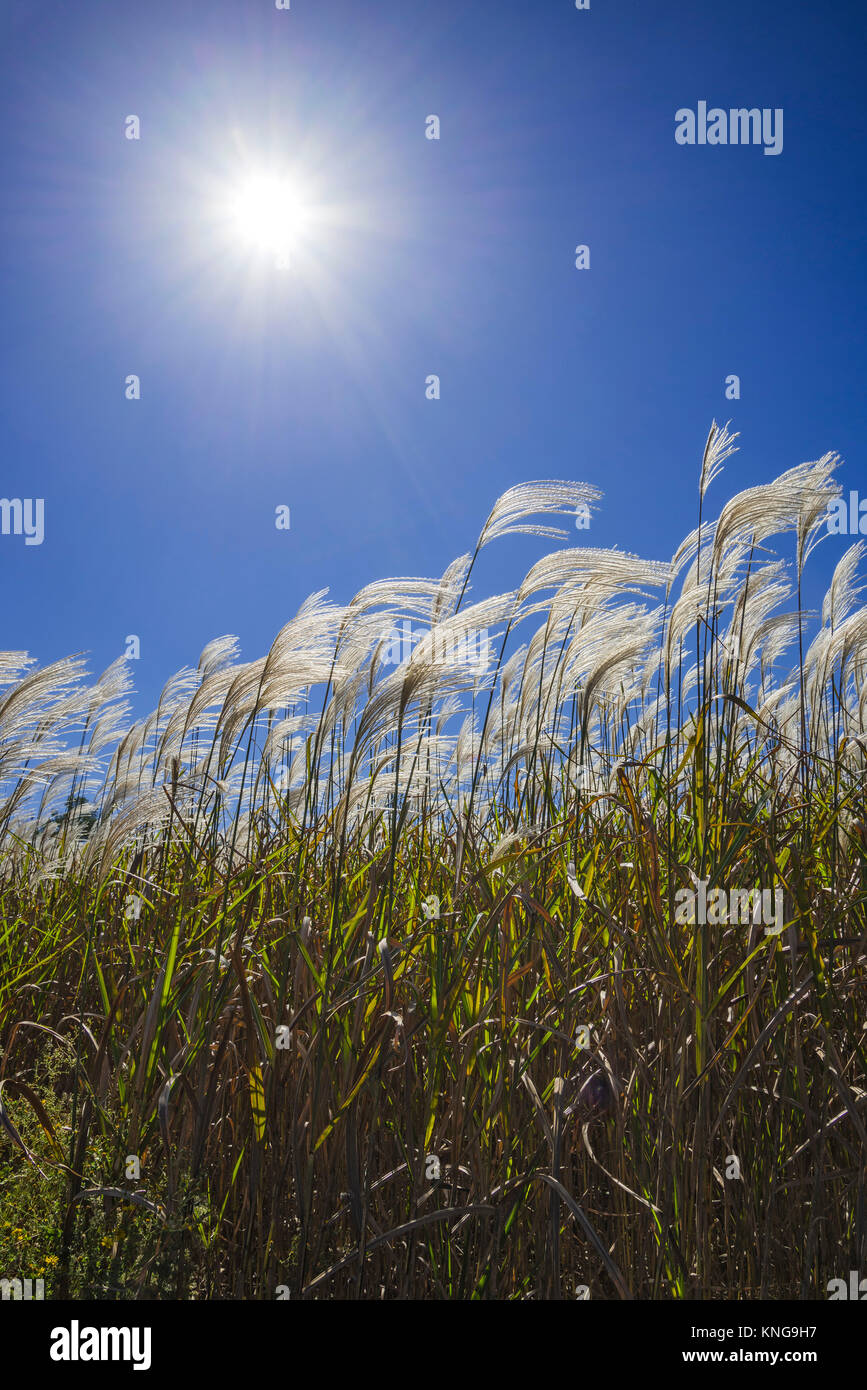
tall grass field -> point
(526, 960)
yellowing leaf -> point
(257, 1102)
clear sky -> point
(305, 386)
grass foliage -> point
(352, 980)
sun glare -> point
(270, 214)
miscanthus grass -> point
(341, 978)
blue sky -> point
(261, 386)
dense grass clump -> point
(340, 978)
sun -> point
(270, 213)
